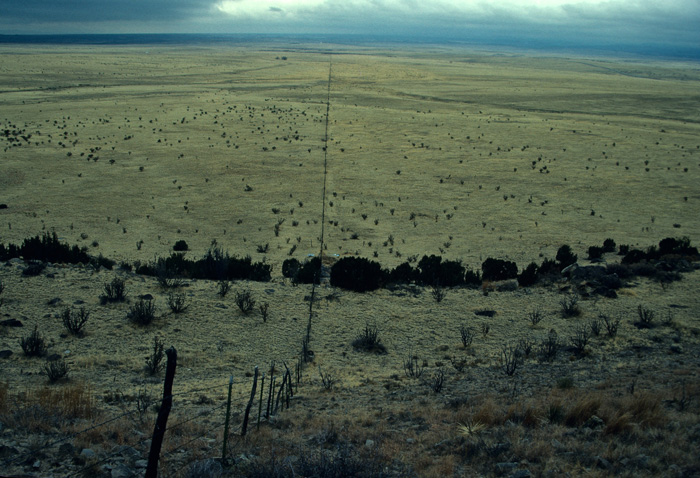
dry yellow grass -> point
(447, 152)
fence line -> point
(284, 392)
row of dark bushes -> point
(216, 264)
(361, 275)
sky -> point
(670, 24)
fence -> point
(280, 389)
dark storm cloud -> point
(87, 11)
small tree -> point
(154, 362)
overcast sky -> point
(606, 23)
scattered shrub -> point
(263, 310)
(33, 345)
(223, 288)
(646, 317)
(55, 370)
(368, 340)
(611, 325)
(438, 293)
(467, 335)
(154, 362)
(75, 321)
(437, 381)
(569, 306)
(549, 347)
(114, 291)
(535, 317)
(177, 302)
(245, 301)
(580, 338)
(142, 313)
(412, 367)
(510, 359)
(2, 289)
(327, 380)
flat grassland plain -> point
(432, 150)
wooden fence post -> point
(244, 428)
(228, 417)
(162, 420)
(262, 392)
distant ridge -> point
(656, 50)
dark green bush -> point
(498, 269)
(180, 246)
(595, 252)
(529, 276)
(357, 274)
(565, 257)
(609, 245)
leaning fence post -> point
(244, 428)
(262, 392)
(162, 420)
(228, 416)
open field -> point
(126, 150)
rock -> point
(410, 441)
(641, 461)
(594, 422)
(87, 453)
(556, 444)
(601, 462)
(505, 467)
(369, 443)
(12, 323)
(55, 301)
(122, 471)
(141, 463)
(66, 450)
(5, 354)
(211, 468)
(36, 465)
(126, 451)
(8, 451)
